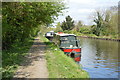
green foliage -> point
(106, 25)
(77, 26)
(106, 22)
(58, 28)
(68, 24)
(85, 30)
(12, 58)
(21, 20)
(99, 23)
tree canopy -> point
(21, 20)
(68, 24)
(106, 22)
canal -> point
(100, 57)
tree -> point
(85, 30)
(99, 21)
(106, 22)
(78, 26)
(113, 22)
(22, 20)
(58, 28)
(68, 24)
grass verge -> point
(12, 58)
(110, 37)
(59, 65)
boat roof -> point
(51, 31)
(64, 34)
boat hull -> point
(49, 38)
(74, 53)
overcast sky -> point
(82, 9)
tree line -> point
(22, 20)
(105, 23)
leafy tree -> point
(106, 22)
(22, 20)
(58, 28)
(113, 22)
(85, 29)
(99, 21)
(93, 29)
(68, 24)
(78, 26)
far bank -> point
(93, 36)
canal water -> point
(100, 57)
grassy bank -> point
(59, 65)
(110, 37)
(12, 58)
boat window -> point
(64, 38)
(65, 41)
(72, 38)
(69, 41)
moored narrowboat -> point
(69, 44)
(49, 35)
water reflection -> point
(100, 58)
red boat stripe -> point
(70, 50)
(77, 59)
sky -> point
(82, 9)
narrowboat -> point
(69, 44)
(49, 35)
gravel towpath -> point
(34, 65)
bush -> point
(85, 30)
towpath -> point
(35, 63)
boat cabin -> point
(69, 44)
(49, 35)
